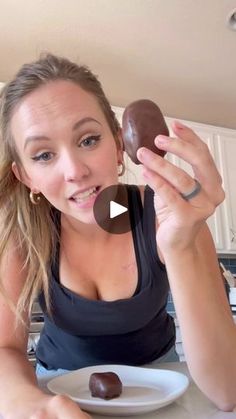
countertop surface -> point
(191, 405)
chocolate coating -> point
(105, 385)
(142, 121)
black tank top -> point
(132, 331)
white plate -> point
(144, 389)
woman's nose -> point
(74, 168)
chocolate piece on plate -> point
(105, 385)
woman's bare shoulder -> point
(12, 279)
(12, 263)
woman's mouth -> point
(85, 197)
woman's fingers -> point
(184, 132)
(172, 197)
(189, 147)
(193, 153)
(64, 408)
(175, 176)
(199, 157)
(167, 194)
(50, 407)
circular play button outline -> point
(112, 209)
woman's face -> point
(66, 147)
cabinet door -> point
(133, 172)
(215, 221)
(227, 161)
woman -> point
(103, 295)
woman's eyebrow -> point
(77, 125)
(84, 121)
(35, 138)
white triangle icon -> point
(116, 209)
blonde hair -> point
(32, 226)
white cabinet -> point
(227, 166)
(178, 342)
(215, 222)
(223, 149)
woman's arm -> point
(207, 327)
(20, 396)
(187, 249)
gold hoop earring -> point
(34, 198)
(122, 171)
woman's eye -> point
(90, 141)
(46, 156)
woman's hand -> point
(48, 407)
(179, 220)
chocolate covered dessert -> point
(105, 385)
(142, 121)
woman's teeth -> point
(84, 195)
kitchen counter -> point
(191, 405)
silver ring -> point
(194, 192)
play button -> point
(116, 209)
(112, 209)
